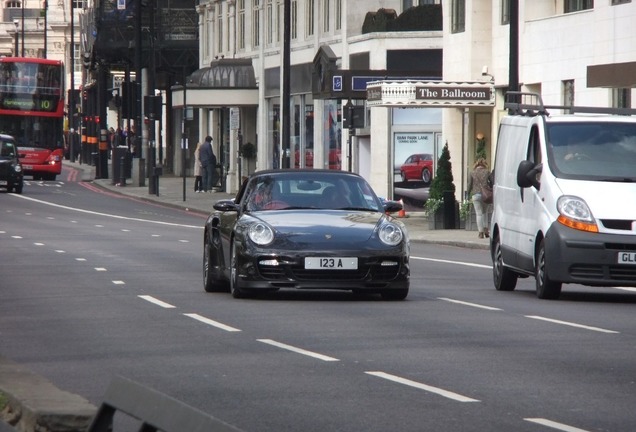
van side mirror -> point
(528, 174)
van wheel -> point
(546, 288)
(504, 278)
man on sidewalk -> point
(208, 164)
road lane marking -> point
(555, 425)
(119, 282)
(212, 322)
(298, 350)
(158, 302)
(571, 324)
(109, 215)
(467, 264)
(60, 251)
(38, 244)
(80, 259)
(438, 391)
(16, 237)
(100, 269)
(469, 304)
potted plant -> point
(442, 188)
(248, 150)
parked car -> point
(11, 176)
(306, 229)
(417, 167)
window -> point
(310, 17)
(270, 22)
(256, 28)
(617, 2)
(77, 53)
(219, 28)
(338, 12)
(568, 92)
(326, 15)
(577, 5)
(406, 4)
(12, 4)
(294, 19)
(621, 98)
(505, 12)
(458, 16)
(79, 4)
(241, 24)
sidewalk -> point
(172, 192)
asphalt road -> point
(95, 285)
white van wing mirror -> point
(528, 174)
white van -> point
(564, 197)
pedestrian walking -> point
(478, 180)
(198, 183)
(208, 164)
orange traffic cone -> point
(402, 213)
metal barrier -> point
(156, 411)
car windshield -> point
(593, 151)
(302, 190)
(7, 149)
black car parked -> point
(306, 229)
(11, 176)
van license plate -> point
(627, 258)
(331, 263)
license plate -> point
(3, 183)
(331, 263)
(27, 167)
(627, 258)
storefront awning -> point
(226, 82)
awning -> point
(612, 75)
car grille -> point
(370, 270)
(600, 273)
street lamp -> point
(16, 22)
(22, 29)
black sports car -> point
(11, 176)
(306, 229)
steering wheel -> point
(275, 205)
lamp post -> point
(17, 24)
(46, 12)
(22, 29)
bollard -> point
(122, 171)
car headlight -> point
(391, 234)
(261, 234)
(17, 168)
(575, 213)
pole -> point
(285, 97)
(15, 51)
(513, 66)
(22, 29)
(183, 134)
(351, 132)
(46, 12)
(71, 98)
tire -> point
(503, 278)
(426, 175)
(18, 188)
(546, 288)
(235, 282)
(394, 294)
(210, 283)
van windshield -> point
(592, 151)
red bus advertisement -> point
(32, 111)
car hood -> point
(325, 226)
(607, 200)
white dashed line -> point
(555, 425)
(80, 259)
(16, 237)
(60, 251)
(119, 282)
(469, 304)
(100, 269)
(467, 264)
(153, 300)
(571, 324)
(438, 391)
(298, 350)
(212, 322)
(184, 241)
(38, 244)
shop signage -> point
(433, 93)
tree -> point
(443, 180)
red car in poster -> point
(417, 167)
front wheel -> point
(504, 278)
(235, 281)
(210, 282)
(546, 288)
(426, 175)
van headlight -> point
(575, 213)
(390, 234)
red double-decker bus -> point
(32, 111)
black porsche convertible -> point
(306, 229)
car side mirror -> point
(528, 174)
(225, 205)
